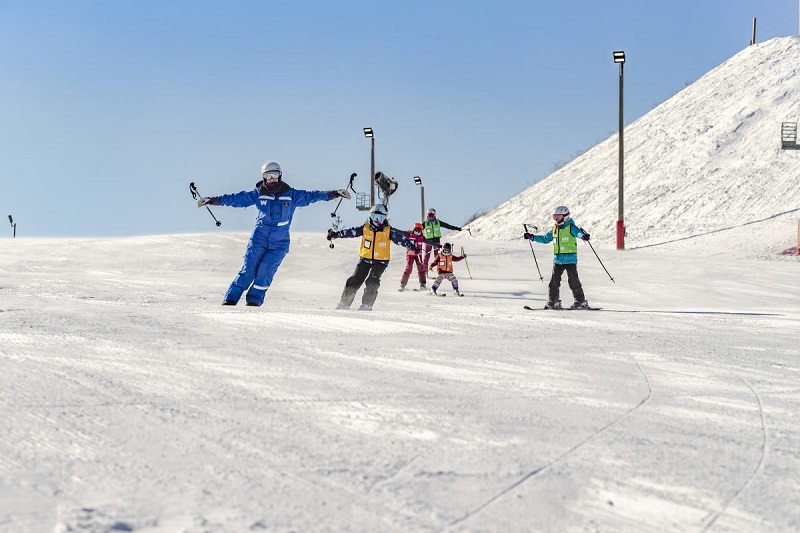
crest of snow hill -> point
(707, 160)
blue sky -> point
(110, 109)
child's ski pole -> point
(195, 194)
(534, 253)
(466, 263)
(601, 263)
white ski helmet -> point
(378, 214)
(431, 213)
(271, 170)
(561, 214)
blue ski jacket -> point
(275, 211)
(562, 259)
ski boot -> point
(342, 305)
(580, 305)
(402, 287)
(229, 302)
(553, 305)
(365, 307)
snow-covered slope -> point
(131, 400)
(707, 159)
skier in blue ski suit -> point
(269, 242)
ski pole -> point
(348, 186)
(195, 194)
(534, 253)
(466, 263)
(601, 263)
(338, 219)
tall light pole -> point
(418, 181)
(619, 57)
(369, 134)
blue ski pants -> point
(261, 261)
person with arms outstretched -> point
(374, 256)
(276, 202)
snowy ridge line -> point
(563, 456)
(759, 467)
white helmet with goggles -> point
(560, 214)
(378, 214)
(271, 170)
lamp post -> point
(418, 181)
(619, 57)
(369, 134)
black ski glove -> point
(585, 236)
(528, 236)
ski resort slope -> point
(133, 401)
(708, 159)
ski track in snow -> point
(561, 458)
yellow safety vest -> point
(376, 244)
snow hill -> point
(133, 401)
(706, 160)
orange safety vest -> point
(445, 264)
(376, 244)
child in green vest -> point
(433, 233)
(564, 236)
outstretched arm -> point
(348, 233)
(544, 239)
(400, 238)
(448, 226)
(240, 199)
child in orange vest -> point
(443, 261)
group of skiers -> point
(276, 202)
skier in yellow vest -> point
(564, 236)
(433, 232)
(375, 252)
(443, 262)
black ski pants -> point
(572, 279)
(369, 272)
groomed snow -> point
(133, 401)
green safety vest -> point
(433, 230)
(564, 242)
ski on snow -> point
(529, 308)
